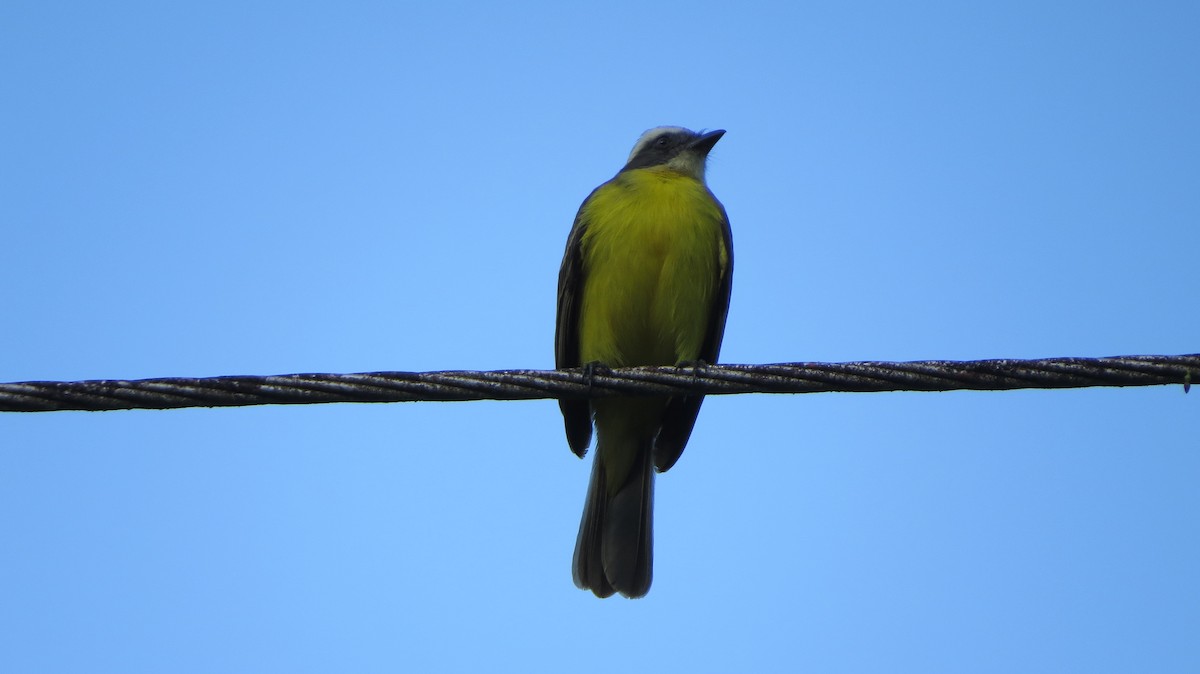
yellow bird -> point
(645, 281)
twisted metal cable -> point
(377, 387)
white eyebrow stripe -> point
(650, 135)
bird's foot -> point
(695, 366)
(590, 370)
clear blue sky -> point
(266, 188)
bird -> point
(645, 280)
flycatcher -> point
(645, 281)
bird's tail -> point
(613, 552)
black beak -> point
(705, 141)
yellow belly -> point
(653, 256)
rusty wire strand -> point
(378, 387)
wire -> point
(379, 387)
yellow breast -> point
(653, 255)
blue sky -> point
(267, 188)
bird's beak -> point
(706, 141)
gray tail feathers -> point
(614, 550)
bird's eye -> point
(662, 141)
